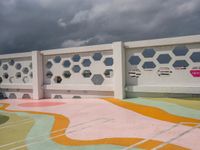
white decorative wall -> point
(111, 70)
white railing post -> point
(37, 62)
(119, 69)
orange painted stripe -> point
(62, 122)
(152, 112)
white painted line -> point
(145, 140)
(74, 126)
(41, 141)
(164, 131)
(17, 124)
(176, 137)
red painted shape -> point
(41, 104)
(195, 73)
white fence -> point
(167, 66)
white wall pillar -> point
(37, 62)
(119, 69)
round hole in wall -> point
(108, 73)
(5, 75)
(18, 75)
(25, 70)
(1, 80)
(11, 79)
(25, 79)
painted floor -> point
(100, 124)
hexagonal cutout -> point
(58, 79)
(86, 73)
(180, 64)
(1, 80)
(18, 75)
(180, 50)
(66, 64)
(25, 79)
(57, 59)
(67, 74)
(164, 58)
(195, 57)
(86, 62)
(108, 73)
(108, 61)
(76, 68)
(97, 79)
(58, 97)
(12, 96)
(97, 56)
(26, 96)
(148, 53)
(76, 58)
(18, 66)
(49, 74)
(134, 60)
(149, 65)
(5, 76)
(25, 70)
(5, 67)
(49, 64)
(11, 62)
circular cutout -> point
(11, 79)
(18, 66)
(18, 75)
(25, 70)
(5, 75)
(25, 79)
(1, 80)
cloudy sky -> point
(27, 25)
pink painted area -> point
(195, 73)
(92, 119)
(41, 104)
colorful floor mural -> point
(100, 124)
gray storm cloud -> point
(27, 25)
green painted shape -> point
(193, 103)
(43, 125)
(168, 107)
(3, 119)
(14, 133)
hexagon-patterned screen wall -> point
(17, 71)
(91, 68)
(163, 66)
